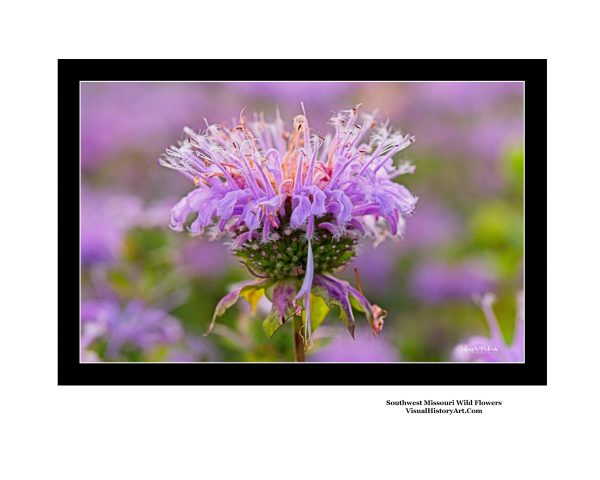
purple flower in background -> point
(471, 123)
(105, 217)
(493, 348)
(294, 205)
(483, 141)
(194, 349)
(488, 142)
(206, 258)
(376, 265)
(295, 92)
(489, 139)
(437, 282)
(141, 116)
(134, 326)
(465, 97)
(364, 348)
(432, 225)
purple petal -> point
(283, 297)
(179, 214)
(301, 212)
(329, 227)
(346, 206)
(252, 217)
(308, 276)
(318, 204)
(226, 205)
(307, 325)
(304, 293)
(356, 224)
(392, 222)
(272, 203)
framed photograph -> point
(302, 222)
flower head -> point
(294, 205)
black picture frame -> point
(532, 372)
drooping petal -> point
(335, 292)
(179, 214)
(346, 206)
(357, 224)
(252, 216)
(374, 313)
(406, 201)
(226, 205)
(206, 206)
(392, 221)
(196, 227)
(248, 290)
(302, 211)
(318, 203)
(308, 276)
(271, 203)
(308, 343)
(304, 293)
(329, 227)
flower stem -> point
(298, 341)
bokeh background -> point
(148, 293)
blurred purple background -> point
(464, 238)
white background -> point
(292, 433)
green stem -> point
(298, 341)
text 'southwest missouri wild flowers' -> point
(294, 206)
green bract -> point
(287, 257)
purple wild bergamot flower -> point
(135, 329)
(294, 207)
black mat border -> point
(532, 372)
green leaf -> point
(119, 282)
(318, 311)
(356, 304)
(272, 323)
(345, 314)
